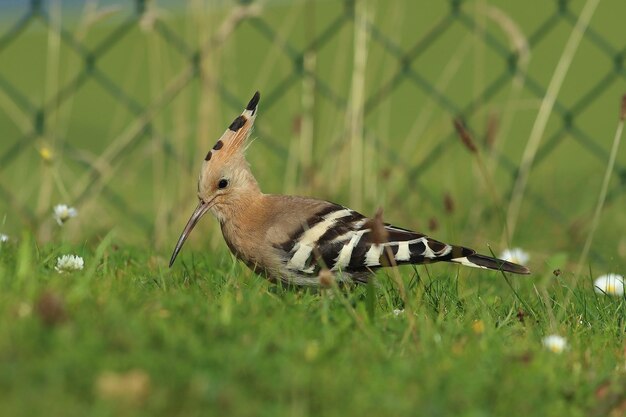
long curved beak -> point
(197, 214)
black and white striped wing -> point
(339, 239)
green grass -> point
(210, 338)
(128, 336)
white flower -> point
(555, 343)
(69, 263)
(3, 238)
(63, 213)
(398, 312)
(611, 284)
(516, 255)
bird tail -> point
(486, 262)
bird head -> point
(225, 178)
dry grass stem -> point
(357, 100)
(491, 132)
(515, 35)
(426, 112)
(469, 142)
(521, 48)
(307, 124)
(604, 189)
(545, 111)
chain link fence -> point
(109, 107)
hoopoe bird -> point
(291, 239)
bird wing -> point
(340, 239)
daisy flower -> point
(69, 263)
(3, 238)
(555, 343)
(63, 213)
(611, 284)
(515, 255)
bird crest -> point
(234, 139)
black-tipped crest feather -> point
(254, 101)
(237, 123)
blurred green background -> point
(110, 106)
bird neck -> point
(242, 223)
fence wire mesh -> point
(109, 107)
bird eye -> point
(223, 183)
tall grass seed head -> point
(379, 234)
(465, 135)
(326, 278)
